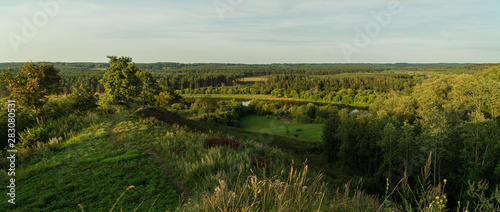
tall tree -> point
(331, 141)
(388, 143)
(149, 86)
(120, 80)
(479, 136)
(32, 84)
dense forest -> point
(419, 136)
(195, 76)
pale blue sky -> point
(251, 31)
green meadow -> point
(262, 124)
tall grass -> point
(224, 179)
(296, 193)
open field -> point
(261, 124)
(253, 79)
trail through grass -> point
(90, 170)
(163, 167)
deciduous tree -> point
(32, 84)
(120, 80)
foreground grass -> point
(90, 170)
(262, 124)
(296, 190)
(224, 179)
(190, 162)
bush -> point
(303, 118)
(62, 127)
(30, 137)
(84, 99)
(56, 108)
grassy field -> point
(262, 124)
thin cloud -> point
(255, 31)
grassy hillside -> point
(88, 168)
(169, 165)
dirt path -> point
(185, 191)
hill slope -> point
(96, 163)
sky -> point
(251, 31)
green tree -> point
(435, 129)
(84, 99)
(311, 110)
(209, 105)
(330, 140)
(388, 143)
(31, 86)
(149, 86)
(167, 97)
(407, 146)
(121, 81)
(479, 136)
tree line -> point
(179, 76)
(454, 118)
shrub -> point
(62, 127)
(303, 118)
(84, 99)
(31, 136)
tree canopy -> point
(120, 80)
(32, 84)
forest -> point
(252, 137)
